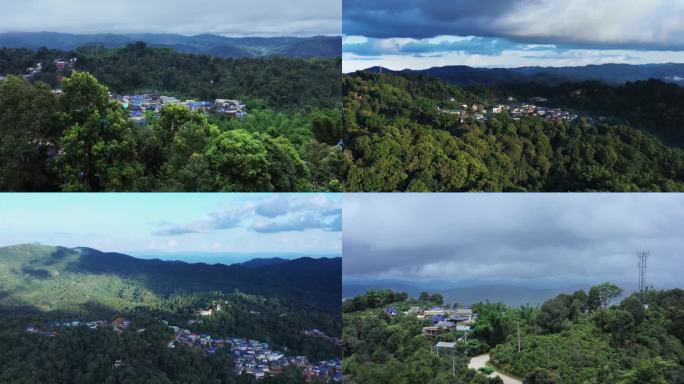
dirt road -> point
(480, 361)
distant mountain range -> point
(607, 73)
(66, 278)
(316, 46)
(512, 295)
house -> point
(229, 107)
(391, 311)
(120, 324)
(167, 100)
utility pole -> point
(453, 364)
(518, 337)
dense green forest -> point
(275, 82)
(400, 141)
(81, 355)
(583, 337)
(82, 141)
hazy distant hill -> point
(511, 295)
(608, 73)
(316, 46)
(263, 262)
(56, 278)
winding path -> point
(478, 362)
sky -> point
(222, 17)
(534, 240)
(419, 34)
(212, 228)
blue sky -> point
(420, 34)
(193, 227)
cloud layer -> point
(525, 238)
(225, 17)
(273, 214)
(641, 24)
(420, 34)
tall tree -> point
(98, 149)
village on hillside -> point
(251, 357)
(138, 105)
(444, 319)
(516, 110)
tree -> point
(542, 376)
(325, 129)
(600, 296)
(554, 312)
(29, 128)
(98, 149)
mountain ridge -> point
(52, 277)
(611, 73)
(209, 44)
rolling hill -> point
(607, 73)
(315, 46)
(53, 278)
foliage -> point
(401, 141)
(81, 355)
(81, 141)
(578, 343)
(379, 348)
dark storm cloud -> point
(225, 17)
(562, 238)
(640, 24)
(420, 18)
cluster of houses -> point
(138, 105)
(118, 325)
(256, 358)
(316, 333)
(516, 110)
(443, 319)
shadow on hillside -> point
(316, 282)
(55, 256)
(36, 273)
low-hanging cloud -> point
(224, 17)
(532, 238)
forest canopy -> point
(81, 140)
(403, 136)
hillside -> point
(215, 45)
(574, 338)
(281, 83)
(65, 278)
(413, 133)
(616, 74)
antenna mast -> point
(643, 260)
